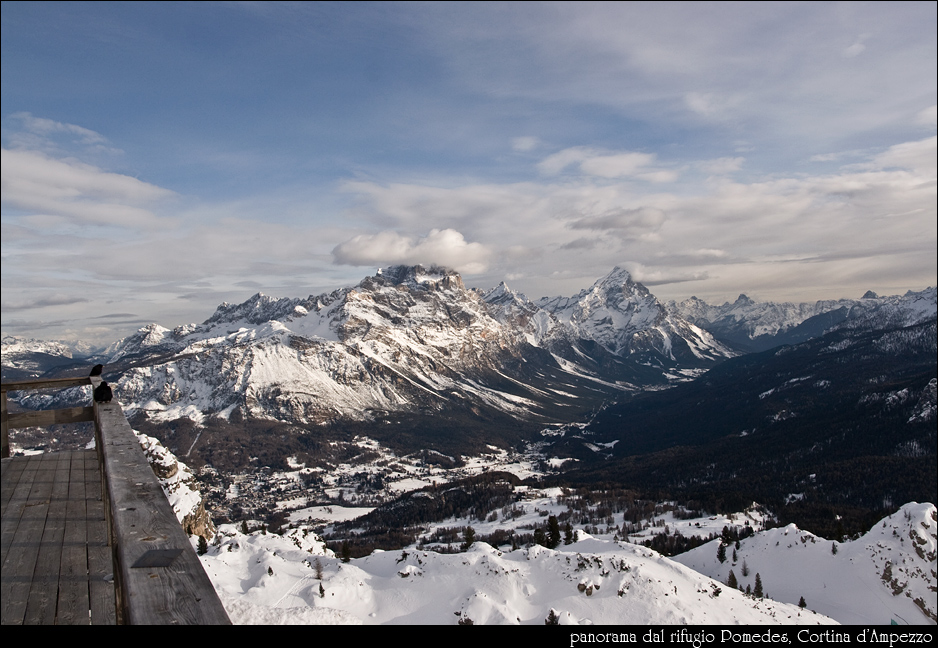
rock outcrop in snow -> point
(179, 486)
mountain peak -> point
(618, 276)
(419, 276)
(502, 294)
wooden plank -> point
(4, 427)
(23, 552)
(73, 602)
(46, 383)
(12, 471)
(45, 418)
(142, 520)
(18, 475)
(44, 586)
(100, 562)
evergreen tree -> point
(745, 569)
(540, 538)
(244, 527)
(468, 537)
(721, 553)
(270, 571)
(834, 548)
(757, 592)
(726, 538)
(553, 532)
(346, 551)
(567, 534)
(734, 556)
(203, 546)
(552, 618)
(731, 580)
(802, 603)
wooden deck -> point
(57, 565)
(88, 536)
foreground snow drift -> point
(269, 579)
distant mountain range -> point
(757, 326)
(412, 343)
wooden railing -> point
(157, 574)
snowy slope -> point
(889, 573)
(268, 579)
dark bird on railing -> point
(96, 370)
(103, 393)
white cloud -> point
(710, 104)
(77, 192)
(721, 166)
(526, 143)
(43, 126)
(441, 247)
(856, 49)
(619, 165)
(554, 164)
(627, 222)
(919, 156)
(719, 232)
(55, 138)
(929, 116)
(601, 164)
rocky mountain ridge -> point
(756, 326)
(410, 339)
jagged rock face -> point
(179, 486)
(199, 523)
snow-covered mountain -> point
(756, 326)
(886, 574)
(627, 320)
(409, 339)
(293, 579)
(13, 346)
(25, 358)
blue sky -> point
(159, 159)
